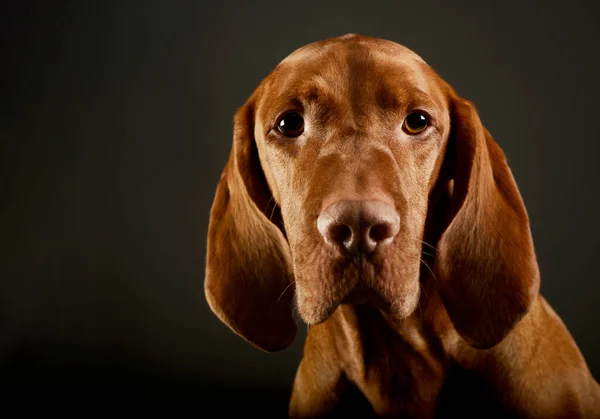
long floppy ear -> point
(486, 264)
(248, 281)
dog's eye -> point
(415, 123)
(291, 125)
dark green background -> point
(115, 123)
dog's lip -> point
(316, 317)
(359, 290)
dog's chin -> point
(319, 313)
(315, 316)
(316, 307)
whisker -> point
(272, 211)
(425, 243)
(285, 289)
(423, 289)
(294, 308)
(271, 199)
(428, 254)
(430, 245)
(426, 265)
(269, 203)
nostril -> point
(358, 226)
(341, 234)
(380, 232)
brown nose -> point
(359, 226)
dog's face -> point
(352, 121)
(342, 159)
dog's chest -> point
(399, 374)
(408, 384)
(404, 375)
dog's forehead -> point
(337, 64)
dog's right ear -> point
(249, 280)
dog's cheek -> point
(315, 298)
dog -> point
(365, 193)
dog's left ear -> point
(486, 265)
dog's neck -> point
(427, 331)
(393, 361)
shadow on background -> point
(53, 380)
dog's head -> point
(343, 158)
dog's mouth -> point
(355, 281)
(363, 293)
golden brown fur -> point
(447, 319)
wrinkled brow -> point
(298, 97)
(356, 82)
(386, 97)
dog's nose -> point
(359, 226)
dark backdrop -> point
(116, 121)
